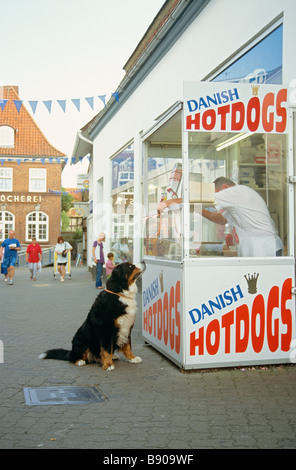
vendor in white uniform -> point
(245, 211)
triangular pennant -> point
(42, 160)
(18, 160)
(50, 160)
(76, 101)
(90, 101)
(73, 159)
(2, 161)
(66, 160)
(18, 104)
(58, 160)
(48, 105)
(116, 96)
(33, 105)
(3, 104)
(103, 98)
(62, 104)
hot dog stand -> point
(203, 306)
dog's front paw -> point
(80, 363)
(135, 360)
(112, 367)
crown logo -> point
(255, 89)
(252, 282)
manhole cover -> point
(62, 396)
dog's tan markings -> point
(106, 360)
(133, 275)
(127, 351)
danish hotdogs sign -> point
(241, 317)
(235, 107)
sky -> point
(69, 49)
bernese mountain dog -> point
(108, 325)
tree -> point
(67, 203)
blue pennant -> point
(48, 105)
(103, 98)
(33, 105)
(90, 101)
(76, 101)
(116, 96)
(3, 104)
(18, 104)
(62, 104)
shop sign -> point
(161, 309)
(19, 198)
(241, 318)
(235, 107)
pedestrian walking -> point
(62, 249)
(11, 246)
(34, 257)
(98, 256)
(3, 268)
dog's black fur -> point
(108, 324)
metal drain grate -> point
(62, 396)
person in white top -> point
(245, 211)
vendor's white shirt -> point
(252, 227)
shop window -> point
(262, 63)
(37, 180)
(6, 137)
(7, 223)
(258, 161)
(162, 181)
(6, 179)
(123, 205)
(37, 224)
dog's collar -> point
(115, 293)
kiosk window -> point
(248, 218)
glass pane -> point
(261, 64)
(123, 167)
(252, 217)
(122, 226)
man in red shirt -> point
(33, 257)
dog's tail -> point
(59, 354)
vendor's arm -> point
(216, 217)
(164, 204)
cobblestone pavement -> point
(152, 405)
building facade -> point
(30, 176)
(188, 41)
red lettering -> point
(237, 108)
(286, 315)
(214, 328)
(223, 111)
(197, 342)
(281, 111)
(242, 317)
(178, 317)
(209, 113)
(267, 123)
(154, 315)
(258, 310)
(159, 319)
(272, 303)
(171, 321)
(165, 318)
(253, 108)
(150, 320)
(145, 320)
(193, 121)
(227, 321)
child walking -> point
(109, 264)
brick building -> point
(30, 171)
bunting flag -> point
(58, 193)
(62, 103)
(43, 160)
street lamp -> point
(3, 207)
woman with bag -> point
(98, 256)
(62, 249)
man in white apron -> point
(245, 211)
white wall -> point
(221, 29)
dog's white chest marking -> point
(125, 322)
